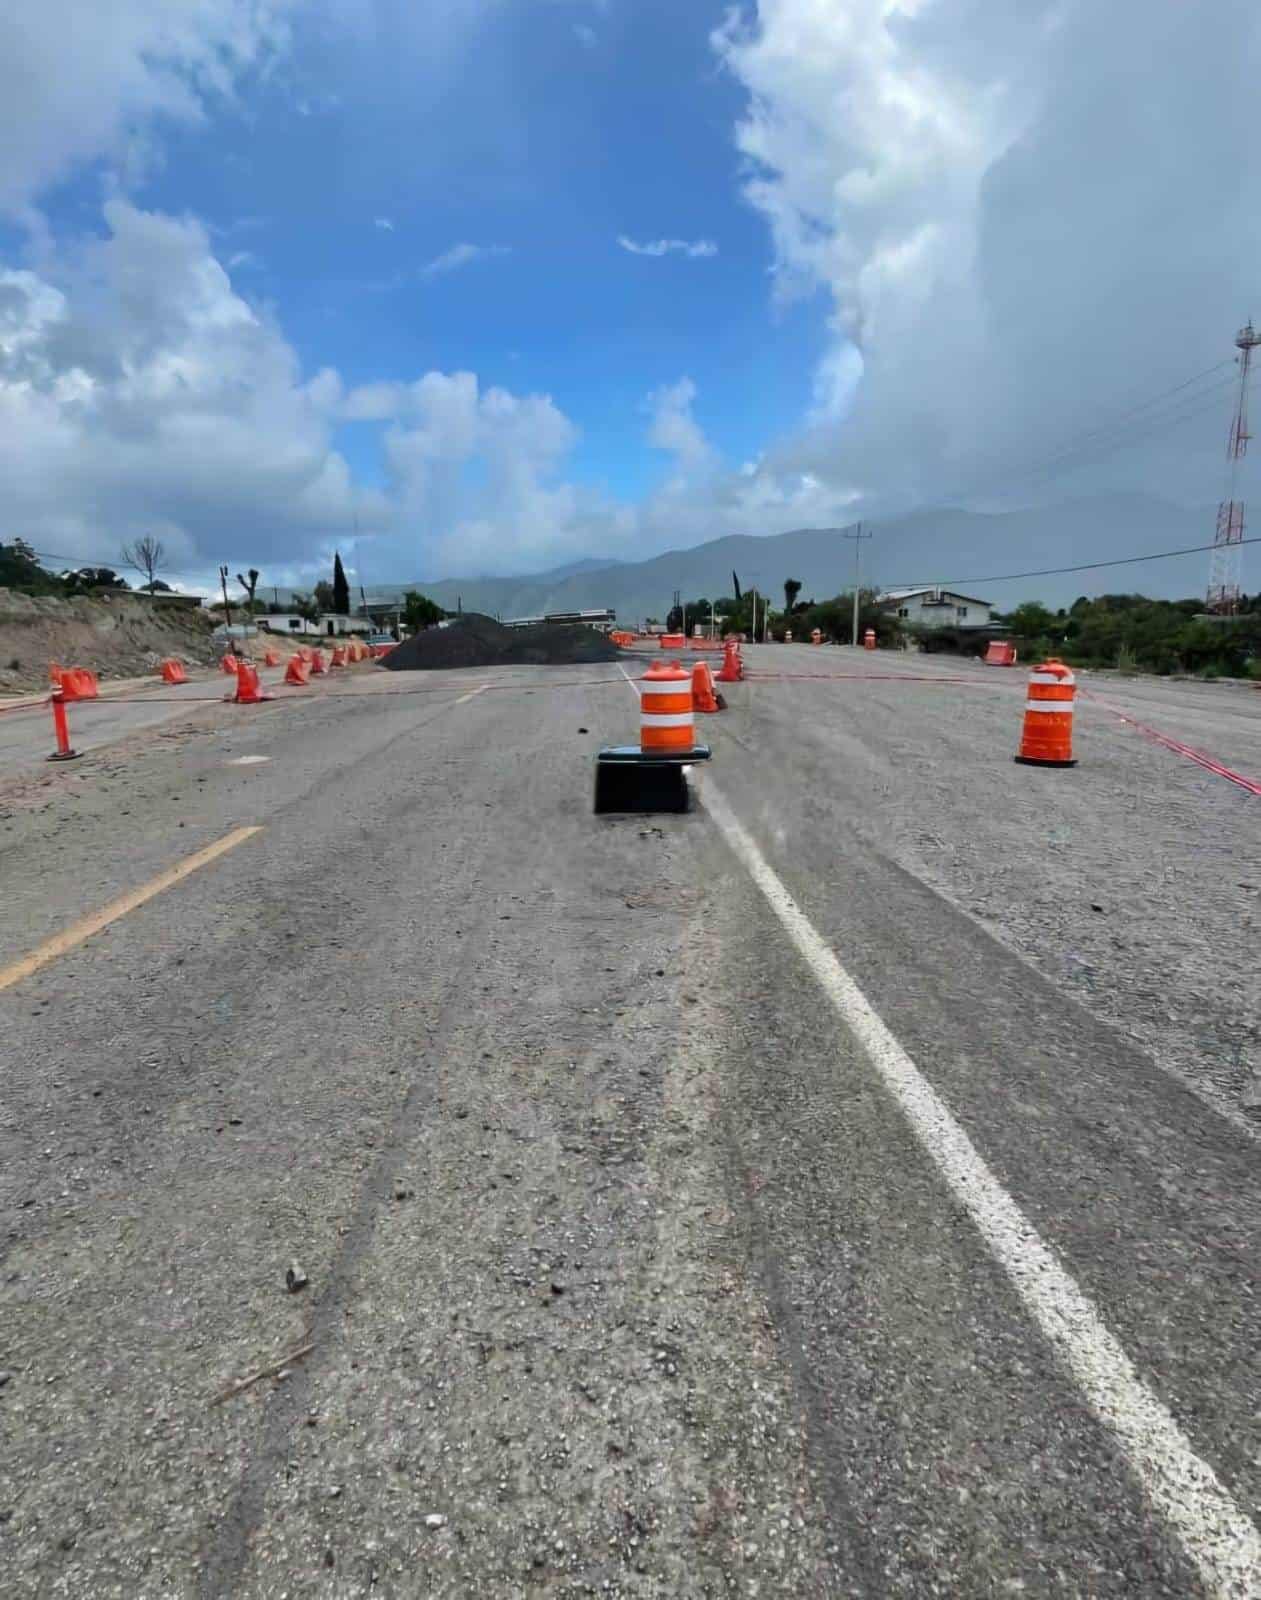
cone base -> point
(1037, 761)
(64, 755)
(629, 780)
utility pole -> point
(1225, 563)
(227, 609)
(857, 536)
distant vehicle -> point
(375, 639)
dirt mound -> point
(476, 641)
(117, 637)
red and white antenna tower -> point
(1226, 562)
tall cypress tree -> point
(341, 589)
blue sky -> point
(541, 137)
(275, 274)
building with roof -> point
(936, 608)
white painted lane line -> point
(1215, 1533)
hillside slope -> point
(116, 637)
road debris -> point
(271, 1371)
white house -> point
(936, 608)
(329, 623)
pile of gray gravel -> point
(477, 641)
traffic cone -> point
(338, 658)
(317, 663)
(247, 689)
(77, 683)
(732, 669)
(229, 663)
(173, 671)
(869, 639)
(54, 674)
(271, 658)
(1046, 739)
(296, 671)
(703, 688)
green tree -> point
(306, 606)
(419, 611)
(792, 588)
(20, 570)
(86, 579)
(325, 599)
(1032, 620)
(341, 589)
(834, 619)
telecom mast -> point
(1225, 563)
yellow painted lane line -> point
(84, 929)
(472, 694)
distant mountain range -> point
(959, 549)
(977, 552)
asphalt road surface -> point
(736, 1203)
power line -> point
(1048, 572)
(1107, 435)
(1083, 449)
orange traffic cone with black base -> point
(703, 696)
(296, 671)
(1046, 740)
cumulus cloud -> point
(675, 429)
(696, 248)
(384, 223)
(1012, 248)
(138, 389)
(78, 79)
(462, 255)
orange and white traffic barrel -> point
(1046, 739)
(665, 717)
(869, 639)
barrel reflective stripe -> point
(1062, 680)
(1064, 707)
(665, 699)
